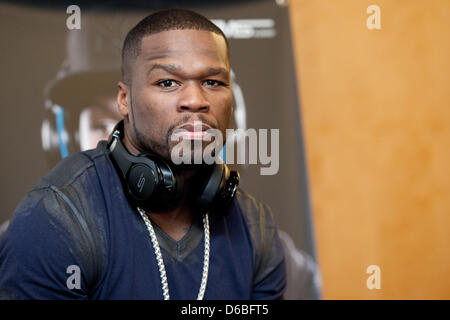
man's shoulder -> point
(71, 168)
(63, 206)
(68, 187)
(254, 210)
(259, 219)
(58, 223)
(269, 276)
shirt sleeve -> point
(46, 252)
(269, 270)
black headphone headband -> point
(153, 184)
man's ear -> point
(123, 99)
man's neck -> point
(177, 221)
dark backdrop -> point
(33, 40)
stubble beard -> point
(144, 142)
(163, 150)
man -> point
(78, 234)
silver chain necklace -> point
(160, 261)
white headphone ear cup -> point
(49, 136)
(57, 137)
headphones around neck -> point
(153, 184)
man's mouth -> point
(194, 131)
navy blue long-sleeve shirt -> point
(77, 221)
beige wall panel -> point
(375, 109)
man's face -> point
(179, 77)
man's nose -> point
(193, 100)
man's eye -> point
(167, 83)
(213, 83)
